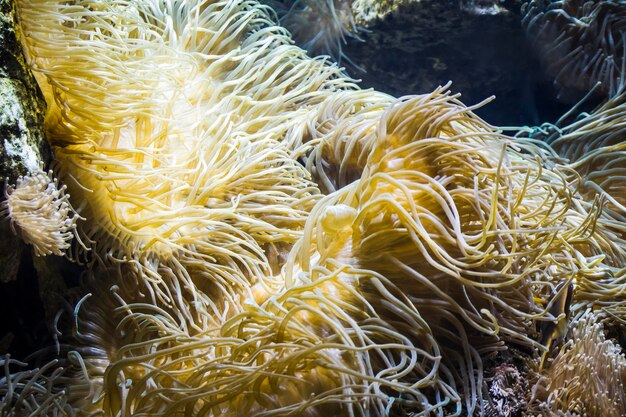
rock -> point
(10, 253)
(5, 343)
(412, 46)
(52, 287)
(368, 12)
(23, 149)
(22, 107)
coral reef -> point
(507, 392)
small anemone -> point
(322, 27)
(587, 376)
(40, 213)
(581, 43)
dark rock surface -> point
(31, 289)
(479, 45)
(22, 106)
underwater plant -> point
(580, 42)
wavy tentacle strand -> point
(49, 390)
(595, 148)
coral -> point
(580, 42)
(506, 391)
(40, 213)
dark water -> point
(420, 48)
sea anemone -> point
(193, 136)
(580, 42)
(452, 225)
(169, 135)
(593, 151)
(588, 375)
(40, 213)
(297, 353)
(386, 266)
(322, 27)
(595, 148)
(33, 392)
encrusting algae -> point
(265, 238)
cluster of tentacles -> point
(580, 42)
(321, 27)
(264, 238)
